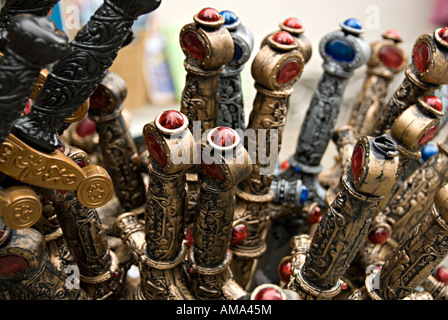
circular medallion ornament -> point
(96, 189)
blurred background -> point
(152, 65)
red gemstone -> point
(210, 167)
(99, 100)
(284, 270)
(433, 102)
(442, 274)
(80, 163)
(357, 161)
(391, 57)
(85, 128)
(288, 71)
(171, 120)
(27, 108)
(189, 237)
(239, 233)
(12, 264)
(283, 37)
(428, 135)
(194, 45)
(393, 34)
(315, 215)
(378, 236)
(116, 274)
(284, 165)
(443, 33)
(268, 294)
(223, 137)
(293, 23)
(209, 15)
(154, 146)
(344, 286)
(422, 56)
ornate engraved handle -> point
(33, 43)
(413, 261)
(26, 269)
(208, 47)
(12, 8)
(74, 78)
(224, 163)
(100, 274)
(20, 207)
(231, 101)
(170, 145)
(386, 60)
(282, 66)
(423, 76)
(118, 149)
(342, 230)
(319, 121)
(414, 128)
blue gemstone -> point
(297, 169)
(429, 150)
(304, 194)
(237, 53)
(340, 50)
(229, 17)
(353, 23)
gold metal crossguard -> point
(55, 171)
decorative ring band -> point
(106, 275)
(167, 264)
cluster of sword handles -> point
(31, 145)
